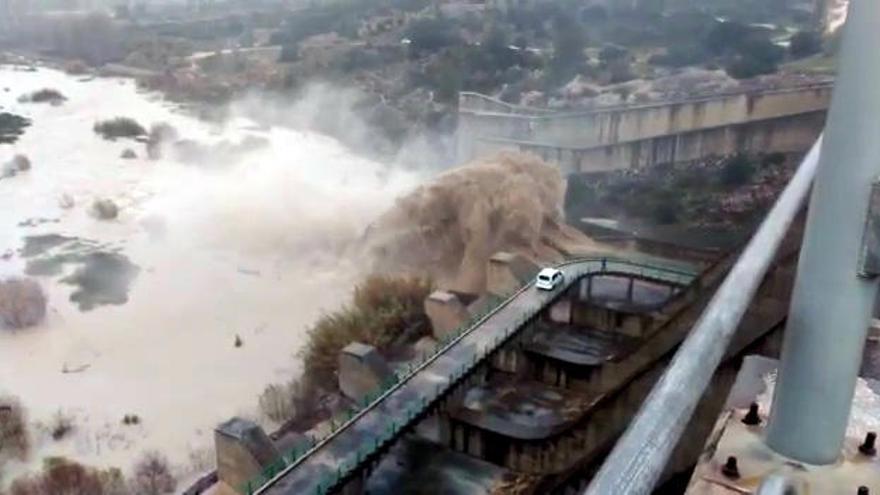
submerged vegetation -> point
(45, 95)
(12, 127)
(22, 303)
(119, 127)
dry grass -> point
(384, 309)
(152, 475)
(22, 303)
(14, 439)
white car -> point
(549, 279)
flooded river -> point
(249, 240)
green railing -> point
(289, 460)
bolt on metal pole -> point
(831, 304)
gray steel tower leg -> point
(831, 305)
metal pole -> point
(640, 456)
(831, 305)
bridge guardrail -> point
(592, 265)
(640, 456)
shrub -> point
(737, 171)
(131, 419)
(22, 303)
(64, 477)
(666, 208)
(128, 154)
(45, 95)
(14, 440)
(295, 401)
(775, 158)
(384, 308)
(757, 56)
(105, 209)
(21, 163)
(119, 127)
(152, 475)
(746, 67)
(805, 43)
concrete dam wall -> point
(635, 136)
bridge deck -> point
(330, 461)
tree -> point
(432, 34)
(444, 77)
(738, 171)
(289, 53)
(612, 53)
(152, 476)
(727, 37)
(805, 43)
(497, 46)
(758, 56)
(569, 42)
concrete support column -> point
(831, 305)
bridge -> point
(643, 135)
(356, 444)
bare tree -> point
(152, 475)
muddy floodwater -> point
(144, 308)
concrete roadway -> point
(343, 451)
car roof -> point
(548, 272)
